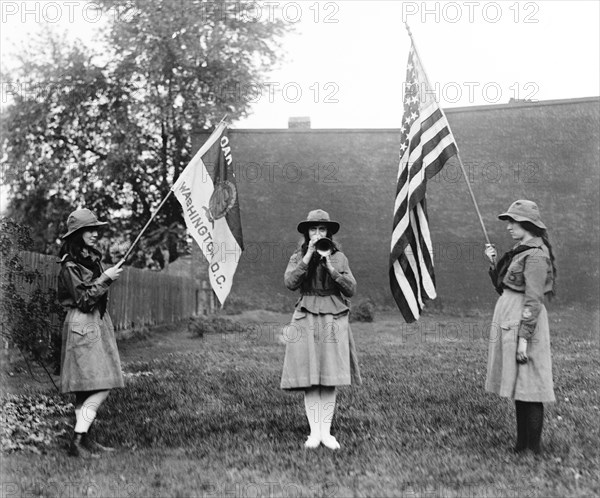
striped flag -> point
(426, 144)
(211, 209)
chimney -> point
(514, 101)
(299, 122)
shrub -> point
(363, 312)
(214, 324)
(236, 305)
(31, 316)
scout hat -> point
(81, 218)
(318, 217)
(523, 210)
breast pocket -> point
(515, 277)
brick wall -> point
(546, 151)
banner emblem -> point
(221, 201)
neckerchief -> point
(92, 262)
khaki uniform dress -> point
(320, 349)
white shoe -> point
(312, 442)
(330, 442)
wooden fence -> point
(140, 297)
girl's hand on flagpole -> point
(114, 272)
(490, 252)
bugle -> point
(324, 246)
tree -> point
(112, 130)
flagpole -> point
(124, 258)
(120, 263)
(485, 234)
(222, 119)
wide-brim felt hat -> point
(82, 218)
(523, 210)
(318, 217)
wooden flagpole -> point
(137, 239)
(120, 263)
(487, 239)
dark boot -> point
(534, 427)
(77, 449)
(522, 410)
(90, 443)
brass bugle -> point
(324, 246)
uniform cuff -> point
(302, 266)
(104, 279)
(336, 275)
(526, 331)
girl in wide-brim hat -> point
(320, 353)
(90, 363)
(519, 358)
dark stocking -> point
(522, 409)
(80, 397)
(534, 427)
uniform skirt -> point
(531, 381)
(319, 351)
(89, 358)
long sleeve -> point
(342, 275)
(75, 290)
(295, 272)
(534, 273)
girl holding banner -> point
(320, 352)
(90, 363)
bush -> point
(214, 324)
(31, 316)
(236, 305)
(363, 312)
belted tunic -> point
(523, 276)
(530, 273)
(89, 355)
(324, 292)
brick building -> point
(545, 151)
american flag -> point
(426, 144)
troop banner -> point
(211, 209)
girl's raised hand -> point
(114, 272)
(490, 252)
(311, 245)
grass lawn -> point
(205, 417)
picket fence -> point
(140, 298)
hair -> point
(74, 246)
(543, 233)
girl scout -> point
(519, 360)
